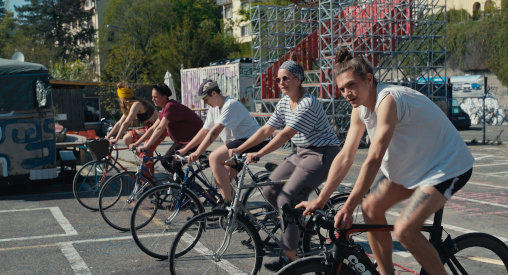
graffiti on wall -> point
(26, 144)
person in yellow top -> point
(133, 107)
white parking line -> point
(490, 164)
(200, 248)
(59, 217)
(77, 263)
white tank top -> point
(425, 149)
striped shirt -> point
(308, 119)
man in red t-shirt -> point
(180, 122)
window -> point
(245, 6)
(246, 30)
(91, 109)
(227, 12)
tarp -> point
(23, 86)
(13, 67)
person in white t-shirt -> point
(420, 153)
(228, 119)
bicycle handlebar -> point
(321, 218)
(235, 159)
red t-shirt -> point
(183, 124)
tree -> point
(2, 9)
(7, 26)
(61, 25)
(167, 34)
(73, 71)
(123, 61)
(139, 22)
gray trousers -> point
(305, 170)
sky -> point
(12, 3)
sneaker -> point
(223, 205)
(278, 264)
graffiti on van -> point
(29, 139)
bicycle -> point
(118, 194)
(227, 240)
(472, 253)
(164, 209)
(91, 177)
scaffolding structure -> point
(403, 39)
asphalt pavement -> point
(45, 231)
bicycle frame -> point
(344, 247)
(236, 207)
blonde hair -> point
(126, 104)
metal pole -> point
(135, 70)
(484, 108)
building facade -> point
(471, 5)
(235, 21)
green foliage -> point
(124, 61)
(7, 26)
(168, 34)
(73, 71)
(2, 9)
(456, 16)
(53, 22)
(474, 45)
(245, 51)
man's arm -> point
(259, 136)
(198, 138)
(386, 122)
(210, 137)
(340, 165)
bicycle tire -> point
(88, 181)
(313, 265)
(193, 247)
(478, 253)
(254, 201)
(153, 225)
(116, 201)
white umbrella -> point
(168, 80)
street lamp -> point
(133, 46)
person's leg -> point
(311, 170)
(425, 201)
(220, 172)
(172, 165)
(128, 139)
(384, 195)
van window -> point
(21, 93)
(17, 94)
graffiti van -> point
(27, 135)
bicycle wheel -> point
(254, 201)
(155, 218)
(88, 181)
(194, 248)
(118, 196)
(313, 265)
(477, 253)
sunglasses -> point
(283, 79)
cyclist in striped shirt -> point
(303, 121)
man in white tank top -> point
(419, 151)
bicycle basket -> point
(99, 149)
